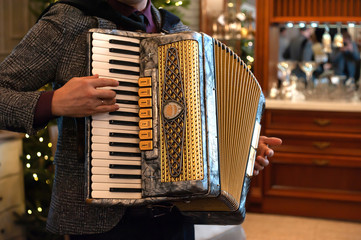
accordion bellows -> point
(199, 110)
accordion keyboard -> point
(115, 157)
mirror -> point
(316, 62)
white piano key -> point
(107, 170)
(107, 131)
(104, 65)
(107, 186)
(104, 139)
(106, 163)
(106, 155)
(127, 97)
(107, 117)
(107, 37)
(106, 58)
(107, 44)
(123, 106)
(105, 51)
(105, 124)
(117, 76)
(106, 148)
(120, 195)
(106, 179)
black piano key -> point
(120, 42)
(125, 176)
(124, 63)
(130, 190)
(123, 92)
(120, 144)
(125, 154)
(125, 123)
(121, 71)
(124, 135)
(128, 84)
(118, 166)
(124, 114)
(122, 51)
(127, 102)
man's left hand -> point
(264, 152)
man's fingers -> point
(272, 141)
(105, 94)
(106, 102)
(106, 108)
(262, 161)
(103, 82)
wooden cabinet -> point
(316, 172)
(11, 186)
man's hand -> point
(81, 97)
(264, 151)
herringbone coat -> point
(54, 51)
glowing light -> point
(41, 139)
(250, 44)
(40, 209)
(351, 25)
(46, 157)
(50, 145)
(28, 165)
(38, 154)
(28, 157)
(289, 25)
(35, 176)
(179, 3)
(47, 181)
(30, 212)
(27, 135)
(302, 25)
(250, 58)
(314, 25)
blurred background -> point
(305, 55)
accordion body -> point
(187, 129)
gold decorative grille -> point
(180, 163)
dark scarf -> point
(100, 8)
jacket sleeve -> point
(31, 65)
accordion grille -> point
(180, 133)
(238, 95)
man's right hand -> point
(82, 96)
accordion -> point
(187, 127)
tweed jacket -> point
(53, 51)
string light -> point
(28, 157)
(27, 135)
(40, 209)
(250, 58)
(46, 157)
(50, 145)
(35, 176)
(38, 154)
(41, 139)
(30, 212)
(28, 165)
